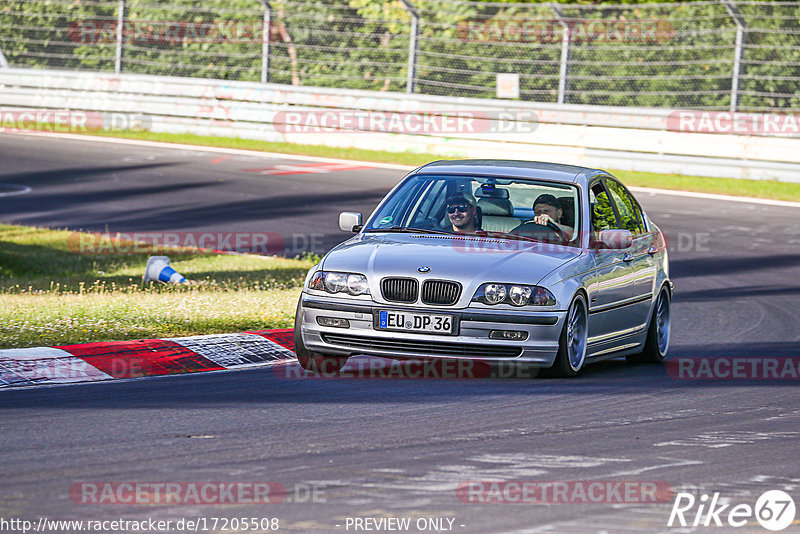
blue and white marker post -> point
(158, 269)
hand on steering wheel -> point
(540, 232)
(547, 221)
(554, 227)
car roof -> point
(513, 169)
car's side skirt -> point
(621, 304)
(613, 352)
(613, 336)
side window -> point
(629, 214)
(429, 205)
(602, 212)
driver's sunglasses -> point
(463, 208)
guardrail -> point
(641, 139)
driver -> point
(461, 212)
(546, 210)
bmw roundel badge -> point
(424, 269)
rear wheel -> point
(656, 345)
(572, 344)
(313, 361)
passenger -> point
(461, 211)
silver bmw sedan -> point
(546, 265)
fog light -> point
(333, 321)
(508, 335)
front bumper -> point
(471, 339)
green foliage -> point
(683, 59)
(630, 217)
(602, 213)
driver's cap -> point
(460, 197)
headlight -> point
(332, 282)
(335, 282)
(494, 293)
(514, 294)
(357, 284)
(519, 295)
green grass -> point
(725, 186)
(357, 154)
(50, 295)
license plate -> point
(415, 322)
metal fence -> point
(721, 54)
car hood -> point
(469, 260)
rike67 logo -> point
(774, 510)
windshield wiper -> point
(503, 235)
(409, 230)
(478, 233)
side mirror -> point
(350, 221)
(615, 239)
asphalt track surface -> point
(400, 447)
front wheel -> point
(657, 344)
(313, 361)
(572, 344)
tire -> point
(572, 344)
(313, 361)
(656, 345)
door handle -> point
(652, 250)
(627, 257)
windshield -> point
(477, 205)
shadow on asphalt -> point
(283, 384)
(74, 174)
(714, 265)
(727, 293)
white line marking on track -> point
(219, 150)
(18, 190)
(718, 440)
(678, 463)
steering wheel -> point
(429, 224)
(532, 229)
(554, 227)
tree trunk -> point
(286, 37)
